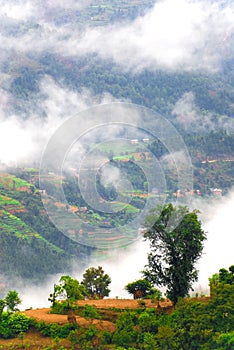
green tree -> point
(12, 300)
(227, 276)
(68, 289)
(13, 324)
(139, 289)
(213, 282)
(96, 282)
(126, 333)
(176, 243)
(226, 341)
(223, 277)
(2, 306)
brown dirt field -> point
(44, 315)
(121, 303)
(111, 303)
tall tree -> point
(176, 242)
(96, 282)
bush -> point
(55, 330)
(61, 308)
(44, 328)
(148, 322)
(90, 312)
(83, 337)
(13, 324)
(107, 337)
(124, 337)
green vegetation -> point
(223, 277)
(176, 243)
(11, 182)
(12, 323)
(12, 300)
(139, 289)
(55, 330)
(96, 282)
(68, 290)
(194, 323)
(30, 245)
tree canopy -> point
(12, 301)
(96, 282)
(176, 242)
(68, 289)
(222, 277)
(139, 288)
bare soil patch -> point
(123, 303)
(44, 315)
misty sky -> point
(172, 35)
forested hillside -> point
(31, 247)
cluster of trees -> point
(159, 89)
(193, 324)
(12, 322)
(221, 278)
(93, 286)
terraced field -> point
(11, 205)
(12, 224)
(11, 182)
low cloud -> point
(192, 119)
(181, 35)
(48, 10)
(218, 223)
(23, 140)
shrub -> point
(83, 337)
(13, 324)
(90, 312)
(55, 330)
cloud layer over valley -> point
(173, 35)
